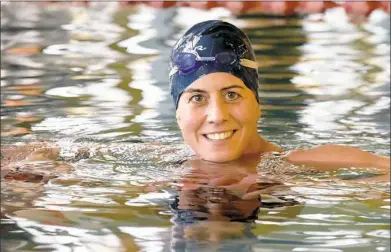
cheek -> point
(189, 121)
(247, 114)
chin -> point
(222, 158)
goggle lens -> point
(226, 58)
(189, 62)
(186, 62)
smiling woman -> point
(218, 103)
(219, 121)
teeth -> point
(220, 136)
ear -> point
(259, 112)
(177, 116)
(178, 119)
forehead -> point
(216, 81)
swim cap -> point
(210, 47)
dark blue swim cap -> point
(210, 47)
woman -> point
(214, 81)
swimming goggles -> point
(187, 63)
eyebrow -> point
(196, 90)
(233, 86)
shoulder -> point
(267, 146)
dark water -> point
(97, 76)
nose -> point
(217, 112)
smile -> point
(219, 136)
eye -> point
(197, 98)
(232, 96)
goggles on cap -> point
(187, 63)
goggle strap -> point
(206, 58)
(173, 71)
(249, 63)
(243, 62)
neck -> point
(254, 147)
(260, 145)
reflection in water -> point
(218, 192)
(217, 202)
(77, 75)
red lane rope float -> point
(305, 7)
(362, 8)
(278, 8)
(386, 6)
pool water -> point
(96, 77)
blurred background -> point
(98, 70)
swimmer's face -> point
(218, 117)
